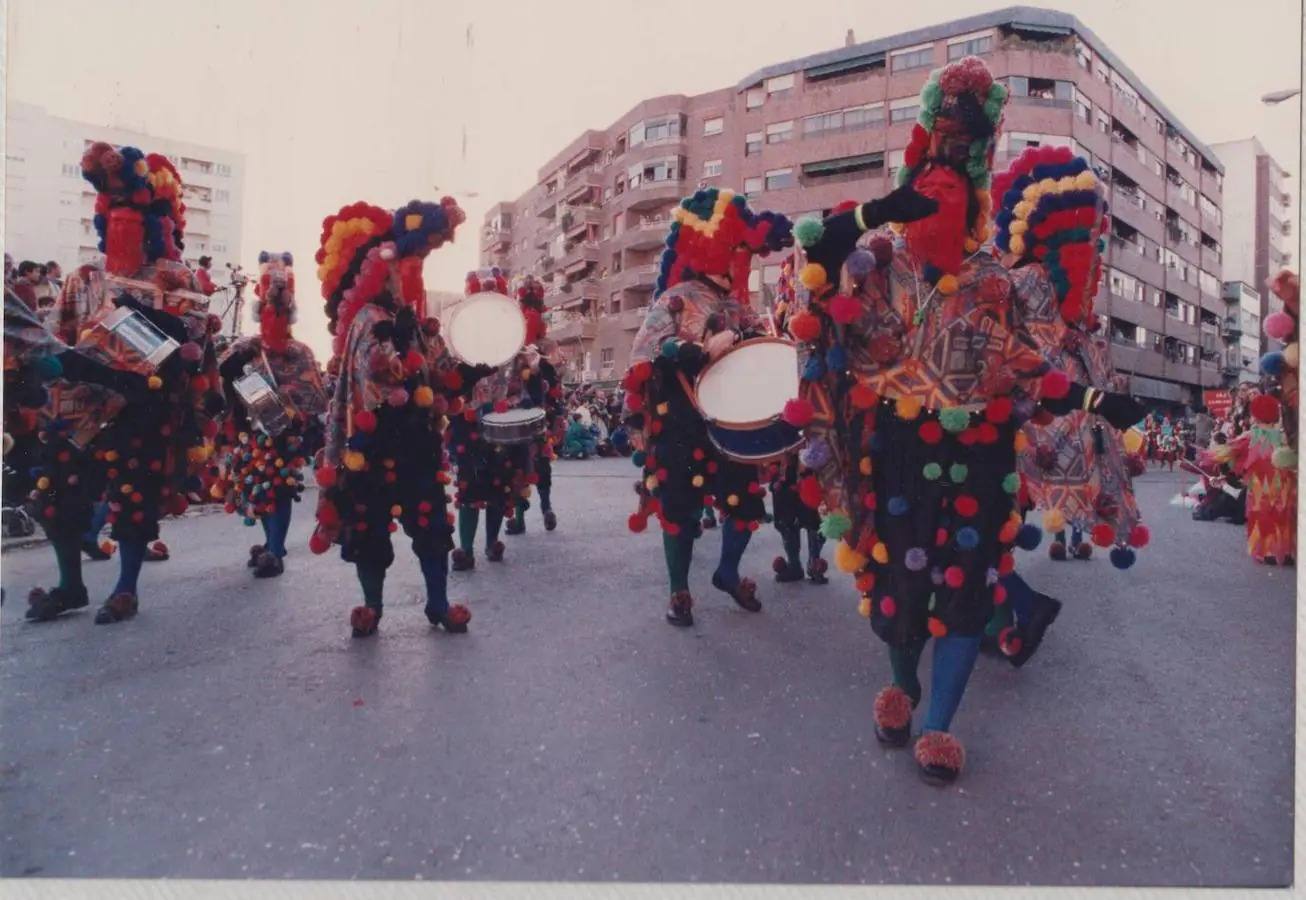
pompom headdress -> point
(274, 297)
(715, 233)
(362, 246)
(1051, 207)
(960, 102)
(139, 213)
(530, 294)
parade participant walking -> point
(1050, 216)
(384, 457)
(262, 475)
(541, 389)
(151, 451)
(701, 309)
(793, 518)
(923, 364)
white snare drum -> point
(486, 329)
(126, 340)
(742, 395)
(516, 426)
(262, 403)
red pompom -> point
(1265, 408)
(413, 362)
(325, 476)
(177, 504)
(999, 595)
(998, 410)
(319, 543)
(966, 505)
(805, 327)
(863, 397)
(637, 522)
(954, 577)
(986, 433)
(1056, 384)
(452, 380)
(931, 432)
(365, 421)
(798, 412)
(1140, 536)
(1006, 564)
(809, 491)
(1104, 535)
(844, 309)
(501, 406)
(844, 206)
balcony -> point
(578, 254)
(495, 239)
(587, 186)
(1126, 204)
(651, 194)
(630, 319)
(575, 330)
(547, 207)
(648, 233)
(637, 278)
(578, 219)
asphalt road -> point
(235, 730)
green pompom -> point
(997, 92)
(1284, 458)
(931, 95)
(954, 419)
(926, 118)
(808, 231)
(903, 176)
(48, 368)
(1011, 484)
(835, 526)
(670, 347)
(958, 472)
(932, 471)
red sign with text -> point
(1218, 403)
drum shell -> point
(517, 431)
(755, 440)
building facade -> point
(1258, 220)
(1244, 352)
(801, 136)
(49, 207)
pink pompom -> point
(1278, 326)
(1056, 384)
(798, 412)
(844, 309)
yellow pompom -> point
(423, 396)
(216, 492)
(1030, 193)
(908, 408)
(396, 510)
(697, 481)
(865, 465)
(662, 409)
(1017, 245)
(198, 454)
(126, 489)
(1054, 520)
(1086, 180)
(971, 245)
(847, 559)
(1021, 441)
(154, 382)
(42, 483)
(110, 455)
(651, 482)
(880, 553)
(732, 500)
(1018, 227)
(1066, 184)
(1133, 441)
(1291, 355)
(1047, 185)
(1022, 210)
(864, 608)
(947, 285)
(354, 461)
(812, 276)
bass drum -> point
(516, 426)
(742, 395)
(486, 329)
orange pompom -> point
(805, 327)
(863, 397)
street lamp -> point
(1279, 96)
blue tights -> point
(131, 556)
(275, 527)
(954, 660)
(734, 541)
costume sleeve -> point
(659, 325)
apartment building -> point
(803, 135)
(1245, 350)
(1258, 219)
(49, 207)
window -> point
(1083, 108)
(778, 179)
(847, 168)
(850, 119)
(224, 170)
(753, 143)
(779, 132)
(822, 124)
(614, 304)
(1102, 72)
(970, 45)
(753, 186)
(1140, 338)
(654, 171)
(713, 126)
(1126, 286)
(904, 109)
(1208, 282)
(895, 162)
(855, 117)
(656, 131)
(1083, 55)
(219, 248)
(1103, 122)
(779, 85)
(72, 170)
(223, 196)
(913, 58)
(607, 356)
(754, 98)
(711, 168)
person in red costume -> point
(202, 276)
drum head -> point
(514, 417)
(486, 329)
(752, 382)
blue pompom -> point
(860, 263)
(1123, 557)
(836, 359)
(967, 538)
(1272, 363)
(898, 506)
(814, 369)
(48, 368)
(1029, 537)
(638, 458)
(670, 348)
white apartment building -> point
(49, 207)
(1257, 217)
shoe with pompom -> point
(550, 520)
(363, 621)
(43, 605)
(1045, 611)
(453, 620)
(462, 561)
(117, 608)
(254, 553)
(515, 526)
(1057, 550)
(1084, 550)
(785, 573)
(157, 551)
(893, 710)
(495, 553)
(679, 612)
(744, 594)
(940, 757)
(269, 565)
(816, 570)
(94, 551)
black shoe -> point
(254, 553)
(462, 561)
(550, 520)
(1031, 633)
(786, 575)
(93, 551)
(816, 570)
(515, 526)
(269, 566)
(46, 605)
(679, 612)
(117, 608)
(709, 522)
(744, 594)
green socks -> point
(905, 660)
(467, 519)
(679, 550)
(372, 580)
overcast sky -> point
(334, 101)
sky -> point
(334, 101)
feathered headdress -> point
(363, 246)
(960, 104)
(1051, 207)
(715, 233)
(139, 213)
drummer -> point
(701, 309)
(491, 476)
(261, 475)
(542, 389)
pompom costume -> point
(384, 462)
(152, 451)
(914, 348)
(542, 389)
(261, 475)
(702, 291)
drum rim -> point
(732, 424)
(535, 415)
(484, 297)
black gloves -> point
(1120, 410)
(77, 367)
(234, 365)
(902, 205)
(841, 231)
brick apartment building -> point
(801, 136)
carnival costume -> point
(701, 294)
(384, 457)
(542, 389)
(926, 375)
(261, 476)
(491, 476)
(150, 452)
